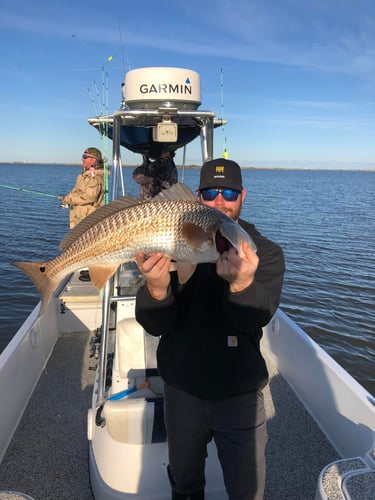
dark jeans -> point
(238, 427)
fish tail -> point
(36, 271)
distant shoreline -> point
(193, 166)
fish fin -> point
(45, 285)
(96, 216)
(100, 275)
(178, 191)
(236, 235)
(197, 237)
(185, 270)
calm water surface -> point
(324, 220)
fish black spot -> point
(42, 269)
(222, 244)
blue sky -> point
(294, 78)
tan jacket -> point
(86, 196)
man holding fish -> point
(210, 328)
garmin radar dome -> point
(152, 88)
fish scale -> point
(151, 227)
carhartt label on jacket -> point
(232, 341)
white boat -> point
(75, 425)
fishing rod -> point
(31, 191)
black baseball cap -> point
(221, 173)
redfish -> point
(173, 223)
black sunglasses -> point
(227, 194)
(84, 157)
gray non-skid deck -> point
(48, 457)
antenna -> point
(124, 56)
(225, 151)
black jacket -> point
(209, 344)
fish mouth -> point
(222, 244)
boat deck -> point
(48, 457)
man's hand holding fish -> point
(238, 269)
(155, 270)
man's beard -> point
(233, 214)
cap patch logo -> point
(219, 170)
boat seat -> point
(136, 418)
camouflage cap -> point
(94, 152)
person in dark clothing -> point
(209, 351)
(155, 176)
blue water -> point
(324, 220)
